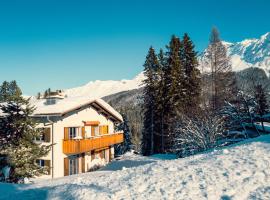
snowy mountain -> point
(247, 53)
(237, 172)
(98, 89)
(244, 54)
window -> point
(40, 138)
(41, 163)
(44, 163)
(45, 135)
(73, 132)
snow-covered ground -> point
(241, 171)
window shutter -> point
(47, 163)
(66, 133)
(66, 167)
(83, 132)
(107, 129)
(47, 134)
(92, 131)
(100, 130)
(83, 163)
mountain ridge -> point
(247, 53)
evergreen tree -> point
(38, 95)
(262, 106)
(150, 71)
(9, 91)
(14, 90)
(124, 147)
(221, 71)
(175, 64)
(192, 82)
(174, 91)
(160, 104)
(17, 133)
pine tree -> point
(173, 90)
(17, 133)
(221, 71)
(175, 64)
(14, 90)
(126, 145)
(192, 78)
(38, 95)
(159, 106)
(262, 106)
(4, 91)
(9, 91)
(150, 71)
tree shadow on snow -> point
(17, 191)
(121, 164)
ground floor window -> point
(41, 163)
(45, 163)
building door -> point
(73, 165)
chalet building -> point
(81, 131)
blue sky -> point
(64, 43)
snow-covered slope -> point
(98, 89)
(238, 172)
(247, 53)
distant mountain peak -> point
(246, 53)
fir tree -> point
(9, 91)
(175, 64)
(150, 68)
(126, 145)
(160, 104)
(14, 90)
(38, 95)
(192, 79)
(173, 90)
(17, 133)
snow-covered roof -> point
(70, 104)
(67, 105)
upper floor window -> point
(45, 135)
(73, 132)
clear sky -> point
(64, 43)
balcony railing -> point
(75, 146)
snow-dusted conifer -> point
(192, 83)
(17, 134)
(149, 102)
(124, 147)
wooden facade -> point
(75, 146)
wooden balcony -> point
(84, 145)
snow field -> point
(237, 172)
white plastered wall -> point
(74, 119)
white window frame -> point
(41, 162)
(74, 132)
